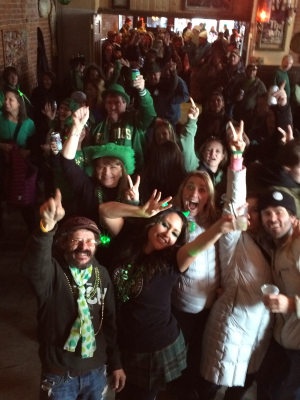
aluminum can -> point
(134, 74)
(55, 137)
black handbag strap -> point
(17, 131)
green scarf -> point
(82, 327)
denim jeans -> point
(89, 386)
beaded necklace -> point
(128, 281)
(105, 236)
(92, 293)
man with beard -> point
(76, 310)
(279, 374)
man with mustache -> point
(76, 310)
(279, 374)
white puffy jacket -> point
(239, 327)
(196, 288)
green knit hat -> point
(118, 90)
(123, 153)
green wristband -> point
(237, 152)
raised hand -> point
(236, 141)
(52, 211)
(49, 112)
(154, 205)
(287, 136)
(193, 111)
(132, 193)
(80, 118)
(139, 83)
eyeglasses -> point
(88, 242)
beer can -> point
(55, 137)
(134, 74)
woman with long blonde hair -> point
(195, 291)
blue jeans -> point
(89, 386)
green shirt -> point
(8, 128)
(281, 76)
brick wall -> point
(109, 23)
(23, 14)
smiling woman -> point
(151, 256)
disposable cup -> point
(241, 222)
(269, 289)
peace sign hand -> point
(154, 205)
(287, 136)
(236, 141)
(132, 193)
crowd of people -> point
(141, 263)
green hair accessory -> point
(20, 93)
(185, 213)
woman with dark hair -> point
(93, 89)
(47, 92)
(163, 171)
(10, 78)
(93, 71)
(16, 131)
(147, 266)
(212, 122)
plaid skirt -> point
(154, 370)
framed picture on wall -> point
(273, 34)
(122, 4)
(15, 48)
(209, 4)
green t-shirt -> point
(281, 76)
(8, 128)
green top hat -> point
(118, 90)
(123, 153)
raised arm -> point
(187, 138)
(80, 118)
(113, 213)
(189, 252)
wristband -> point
(42, 227)
(237, 152)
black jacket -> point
(57, 309)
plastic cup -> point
(269, 289)
(241, 222)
